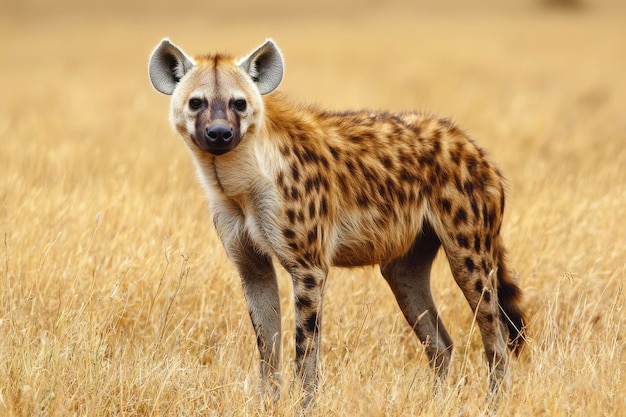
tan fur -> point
(316, 189)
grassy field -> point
(116, 297)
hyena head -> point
(216, 100)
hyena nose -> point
(218, 133)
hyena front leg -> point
(261, 291)
(308, 287)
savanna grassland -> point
(116, 298)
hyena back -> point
(315, 189)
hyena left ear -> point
(265, 66)
(168, 64)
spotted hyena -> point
(315, 189)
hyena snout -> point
(217, 138)
(218, 134)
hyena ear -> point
(168, 64)
(265, 66)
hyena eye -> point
(240, 104)
(195, 103)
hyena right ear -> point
(168, 64)
(265, 66)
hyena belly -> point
(375, 237)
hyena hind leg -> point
(409, 279)
(476, 275)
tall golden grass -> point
(116, 297)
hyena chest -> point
(244, 193)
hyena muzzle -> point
(315, 189)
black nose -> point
(218, 134)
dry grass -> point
(117, 299)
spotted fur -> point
(316, 189)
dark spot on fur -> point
(486, 267)
(406, 176)
(295, 173)
(455, 156)
(489, 318)
(309, 155)
(312, 183)
(324, 207)
(460, 217)
(309, 281)
(401, 197)
(425, 159)
(356, 139)
(298, 154)
(485, 214)
(300, 336)
(334, 152)
(458, 184)
(289, 234)
(433, 177)
(293, 246)
(291, 215)
(362, 200)
(487, 296)
(405, 159)
(302, 301)
(492, 220)
(469, 188)
(446, 205)
(477, 243)
(311, 323)
(312, 236)
(325, 183)
(478, 286)
(470, 265)
(386, 161)
(463, 241)
(471, 163)
(300, 351)
(367, 173)
(382, 191)
(312, 210)
(475, 209)
(444, 177)
(488, 243)
(343, 182)
(436, 147)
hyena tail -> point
(510, 298)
